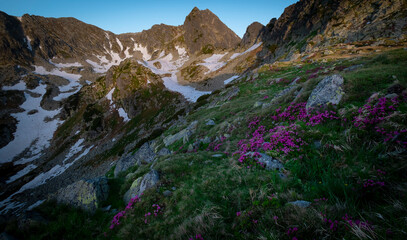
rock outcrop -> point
(253, 34)
(184, 134)
(141, 184)
(85, 194)
(328, 91)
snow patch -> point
(213, 63)
(109, 96)
(143, 50)
(75, 149)
(65, 65)
(120, 44)
(255, 46)
(21, 173)
(35, 205)
(227, 81)
(182, 52)
(67, 90)
(52, 173)
(168, 66)
(29, 44)
(123, 115)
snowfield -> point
(227, 81)
(170, 66)
(255, 46)
(34, 131)
(213, 63)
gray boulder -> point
(141, 184)
(270, 163)
(85, 194)
(210, 122)
(164, 152)
(145, 154)
(184, 134)
(328, 91)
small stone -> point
(217, 155)
(206, 140)
(106, 209)
(391, 96)
(34, 111)
(226, 135)
(167, 193)
(300, 203)
(317, 144)
(210, 122)
(190, 148)
(266, 105)
(257, 104)
(174, 188)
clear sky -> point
(120, 16)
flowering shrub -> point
(157, 209)
(371, 114)
(116, 219)
(298, 112)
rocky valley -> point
(296, 131)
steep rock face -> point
(204, 29)
(65, 37)
(14, 48)
(252, 34)
(323, 22)
(159, 36)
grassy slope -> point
(211, 191)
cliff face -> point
(14, 48)
(253, 34)
(325, 22)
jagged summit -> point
(204, 30)
(252, 34)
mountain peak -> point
(203, 29)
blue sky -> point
(122, 16)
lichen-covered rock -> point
(184, 134)
(328, 91)
(270, 163)
(141, 184)
(85, 194)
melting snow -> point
(230, 79)
(65, 65)
(33, 131)
(120, 44)
(121, 111)
(213, 63)
(182, 52)
(235, 55)
(123, 114)
(53, 172)
(35, 205)
(21, 173)
(143, 50)
(67, 90)
(29, 43)
(168, 66)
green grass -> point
(210, 191)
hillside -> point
(296, 131)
